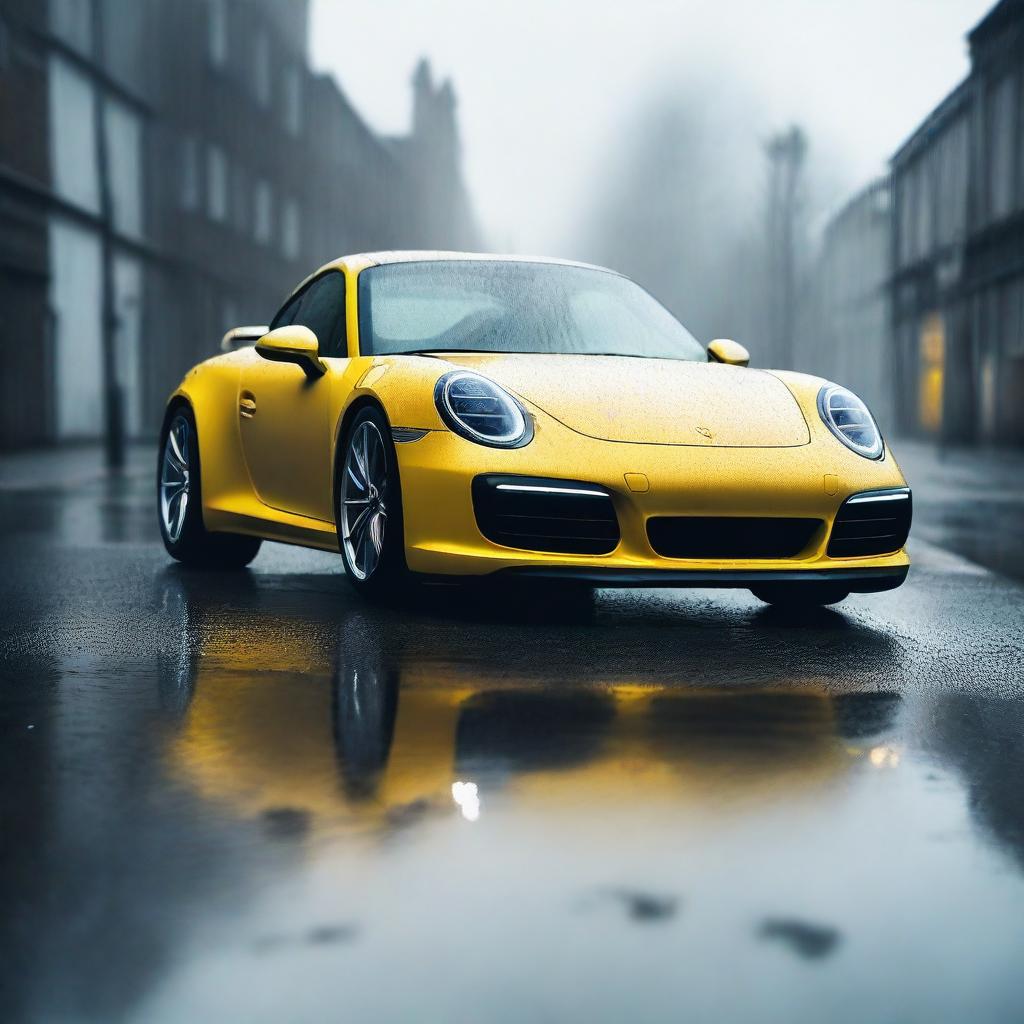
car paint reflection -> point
(367, 731)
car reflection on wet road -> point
(251, 797)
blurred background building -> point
(171, 168)
(845, 324)
(168, 170)
(955, 225)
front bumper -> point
(858, 581)
(645, 481)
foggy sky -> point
(547, 87)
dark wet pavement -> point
(250, 797)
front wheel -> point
(180, 502)
(368, 508)
(800, 595)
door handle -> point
(247, 406)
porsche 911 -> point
(456, 417)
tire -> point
(800, 595)
(368, 507)
(179, 499)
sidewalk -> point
(960, 474)
(969, 501)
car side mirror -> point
(293, 344)
(725, 350)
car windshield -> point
(513, 306)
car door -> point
(284, 415)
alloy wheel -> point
(174, 479)
(363, 509)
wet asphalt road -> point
(249, 797)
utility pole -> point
(113, 399)
(785, 152)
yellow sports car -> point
(458, 416)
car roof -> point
(433, 255)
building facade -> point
(958, 249)
(172, 169)
(844, 328)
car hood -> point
(651, 401)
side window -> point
(286, 314)
(323, 311)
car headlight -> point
(479, 410)
(849, 419)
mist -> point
(548, 93)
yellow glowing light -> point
(884, 757)
(467, 797)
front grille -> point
(730, 536)
(538, 514)
(872, 523)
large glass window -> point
(514, 306)
(128, 339)
(75, 291)
(73, 135)
(1001, 113)
(124, 156)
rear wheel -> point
(180, 502)
(800, 595)
(368, 509)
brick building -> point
(173, 168)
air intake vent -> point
(538, 514)
(729, 536)
(872, 523)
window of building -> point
(908, 202)
(128, 284)
(1011, 316)
(73, 135)
(216, 183)
(123, 129)
(240, 210)
(75, 292)
(217, 32)
(952, 199)
(188, 183)
(1001, 111)
(263, 213)
(71, 22)
(290, 229)
(261, 67)
(292, 86)
(923, 209)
